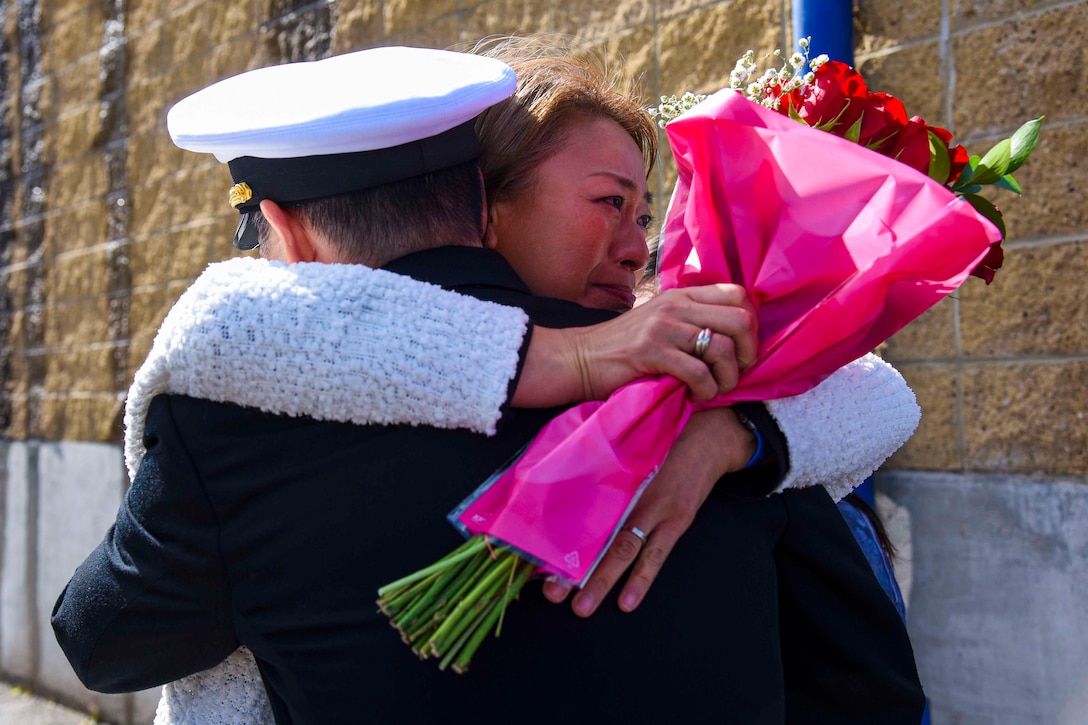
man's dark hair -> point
(380, 224)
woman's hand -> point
(657, 338)
(713, 443)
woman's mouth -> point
(624, 297)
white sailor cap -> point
(309, 130)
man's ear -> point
(485, 214)
(491, 214)
(291, 238)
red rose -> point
(837, 91)
(989, 265)
(912, 145)
(884, 118)
(837, 99)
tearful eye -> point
(645, 221)
(615, 202)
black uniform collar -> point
(453, 267)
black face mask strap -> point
(245, 236)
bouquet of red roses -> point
(834, 263)
(834, 97)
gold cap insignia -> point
(240, 194)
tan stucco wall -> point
(105, 222)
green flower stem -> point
(470, 631)
(447, 609)
(419, 632)
(437, 603)
(457, 620)
(460, 665)
(429, 599)
(469, 576)
(521, 573)
(464, 551)
(396, 599)
(440, 610)
(475, 617)
(467, 572)
(465, 617)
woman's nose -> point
(631, 250)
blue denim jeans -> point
(866, 537)
(863, 532)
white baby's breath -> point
(766, 87)
(672, 107)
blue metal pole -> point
(830, 24)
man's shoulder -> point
(206, 423)
(186, 409)
(244, 449)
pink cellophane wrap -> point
(838, 248)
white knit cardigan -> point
(840, 432)
(349, 343)
(332, 341)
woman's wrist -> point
(762, 451)
(726, 443)
(553, 372)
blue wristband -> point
(761, 448)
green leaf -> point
(984, 207)
(874, 145)
(994, 164)
(854, 132)
(1007, 182)
(1023, 143)
(940, 166)
(831, 124)
(795, 115)
(967, 174)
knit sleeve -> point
(335, 342)
(843, 429)
(230, 693)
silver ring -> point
(702, 342)
(639, 533)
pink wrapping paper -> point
(838, 248)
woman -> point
(531, 187)
(600, 249)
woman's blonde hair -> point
(557, 85)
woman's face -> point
(579, 231)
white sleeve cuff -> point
(840, 432)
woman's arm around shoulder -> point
(334, 342)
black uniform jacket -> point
(275, 532)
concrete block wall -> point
(58, 499)
(987, 500)
(1000, 370)
(103, 223)
(995, 573)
